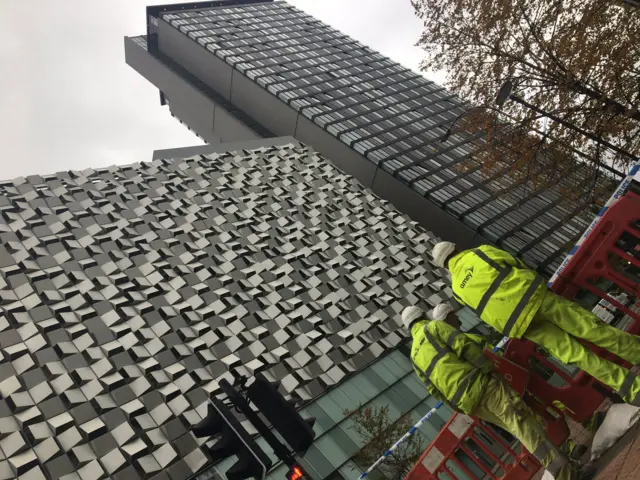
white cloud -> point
(388, 26)
(69, 101)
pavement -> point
(622, 461)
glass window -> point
(403, 397)
(323, 421)
(341, 398)
(387, 400)
(308, 467)
(262, 443)
(375, 379)
(226, 464)
(359, 390)
(413, 383)
(341, 438)
(458, 472)
(396, 401)
(350, 470)
(333, 410)
(468, 319)
(492, 445)
(354, 436)
(374, 475)
(278, 473)
(336, 476)
(442, 415)
(331, 451)
(385, 374)
(318, 461)
(429, 429)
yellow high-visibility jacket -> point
(499, 288)
(450, 363)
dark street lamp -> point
(449, 131)
(504, 93)
(501, 98)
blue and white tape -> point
(402, 440)
(634, 174)
(413, 429)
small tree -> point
(375, 426)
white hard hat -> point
(410, 315)
(440, 312)
(441, 252)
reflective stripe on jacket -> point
(439, 356)
(499, 288)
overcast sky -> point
(69, 101)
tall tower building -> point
(246, 69)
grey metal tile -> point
(123, 376)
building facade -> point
(244, 69)
(127, 293)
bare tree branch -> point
(576, 60)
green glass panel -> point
(375, 379)
(383, 372)
(342, 399)
(458, 473)
(331, 450)
(308, 467)
(262, 443)
(403, 397)
(359, 389)
(278, 473)
(318, 462)
(323, 421)
(332, 409)
(374, 475)
(386, 399)
(415, 385)
(470, 463)
(351, 433)
(341, 438)
(394, 365)
(350, 470)
(428, 429)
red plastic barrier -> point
(615, 239)
(466, 437)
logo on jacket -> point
(467, 277)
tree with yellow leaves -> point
(578, 60)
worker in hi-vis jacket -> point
(515, 301)
(456, 372)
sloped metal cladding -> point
(127, 293)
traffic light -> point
(295, 473)
(234, 440)
(296, 431)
